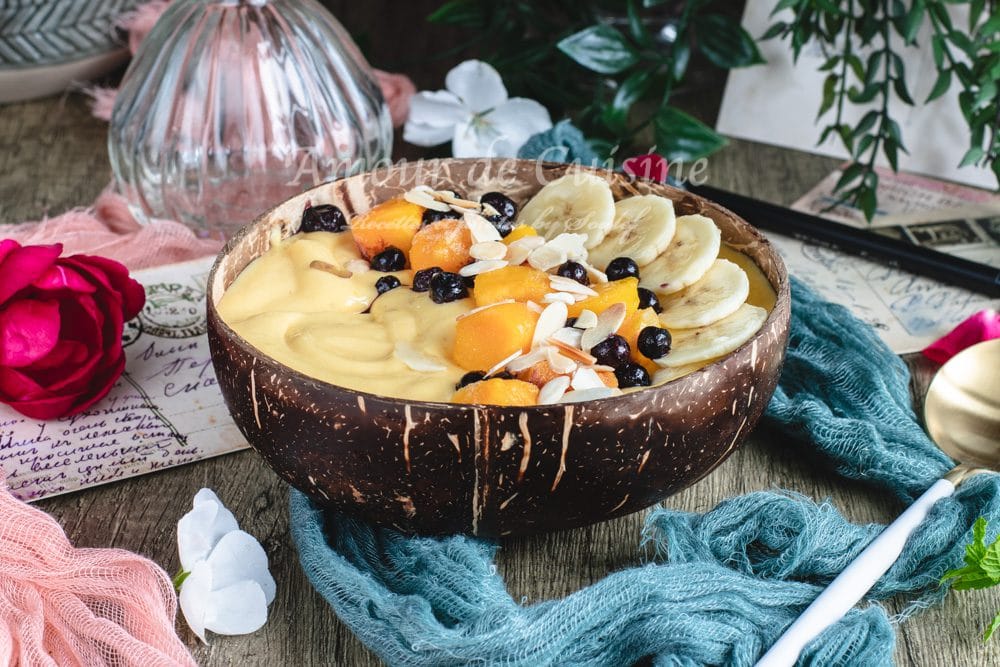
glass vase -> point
(232, 106)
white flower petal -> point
(516, 120)
(472, 140)
(420, 134)
(199, 530)
(194, 597)
(477, 84)
(239, 557)
(437, 108)
(238, 609)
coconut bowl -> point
(438, 468)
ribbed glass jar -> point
(232, 106)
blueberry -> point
(502, 375)
(390, 259)
(506, 211)
(612, 351)
(648, 299)
(570, 322)
(654, 342)
(469, 281)
(323, 218)
(631, 374)
(422, 278)
(574, 271)
(446, 287)
(430, 216)
(622, 267)
(386, 283)
(470, 377)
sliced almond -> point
(568, 335)
(586, 378)
(329, 268)
(417, 360)
(528, 360)
(449, 197)
(545, 257)
(564, 284)
(560, 297)
(482, 266)
(553, 390)
(586, 319)
(572, 244)
(358, 266)
(608, 322)
(581, 395)
(516, 256)
(560, 363)
(534, 307)
(549, 321)
(601, 368)
(480, 228)
(489, 305)
(573, 353)
(423, 198)
(502, 364)
(489, 210)
(489, 250)
(595, 275)
(529, 242)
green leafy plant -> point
(865, 68)
(981, 569)
(612, 67)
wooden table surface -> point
(53, 157)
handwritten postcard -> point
(164, 411)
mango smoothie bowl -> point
(496, 347)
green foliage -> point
(861, 38)
(606, 64)
(981, 569)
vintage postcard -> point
(166, 409)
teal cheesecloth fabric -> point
(724, 584)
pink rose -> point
(61, 322)
(652, 167)
(397, 89)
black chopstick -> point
(851, 240)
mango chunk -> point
(636, 322)
(520, 232)
(538, 374)
(488, 336)
(444, 244)
(497, 391)
(624, 291)
(521, 283)
(608, 378)
(391, 223)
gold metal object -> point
(962, 410)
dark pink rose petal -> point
(23, 265)
(116, 276)
(651, 166)
(979, 327)
(24, 395)
(7, 246)
(29, 330)
(101, 384)
(65, 354)
(61, 276)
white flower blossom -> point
(475, 114)
(226, 586)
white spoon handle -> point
(857, 579)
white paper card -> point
(166, 409)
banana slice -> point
(716, 295)
(689, 256)
(694, 346)
(644, 226)
(577, 202)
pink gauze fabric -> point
(67, 607)
(108, 229)
(979, 327)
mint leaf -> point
(981, 569)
